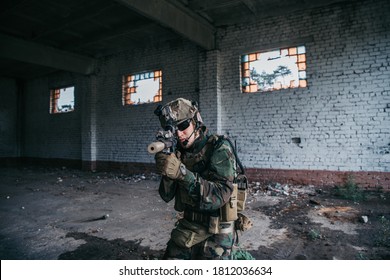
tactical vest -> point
(195, 162)
(198, 162)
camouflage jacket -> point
(207, 185)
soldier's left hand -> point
(170, 166)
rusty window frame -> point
(251, 81)
(131, 83)
(55, 96)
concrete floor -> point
(48, 213)
(60, 213)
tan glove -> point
(170, 166)
(243, 223)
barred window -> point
(274, 70)
(61, 100)
(142, 88)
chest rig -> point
(198, 161)
(222, 221)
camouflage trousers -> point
(216, 247)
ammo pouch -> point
(187, 234)
(229, 210)
(242, 186)
(236, 203)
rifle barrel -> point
(156, 147)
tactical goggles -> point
(184, 125)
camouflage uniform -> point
(205, 188)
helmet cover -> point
(177, 111)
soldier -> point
(199, 175)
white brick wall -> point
(123, 133)
(51, 135)
(342, 118)
(210, 89)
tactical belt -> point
(197, 217)
(201, 218)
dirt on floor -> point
(61, 213)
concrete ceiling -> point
(40, 37)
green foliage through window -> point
(274, 70)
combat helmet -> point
(178, 111)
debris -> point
(314, 202)
(104, 217)
(279, 189)
(364, 219)
(339, 213)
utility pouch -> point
(242, 184)
(187, 234)
(229, 210)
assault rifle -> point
(166, 142)
(165, 138)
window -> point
(142, 88)
(61, 100)
(274, 70)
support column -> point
(210, 90)
(88, 125)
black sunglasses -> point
(184, 125)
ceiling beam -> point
(25, 51)
(58, 24)
(169, 15)
(100, 36)
(251, 6)
(10, 5)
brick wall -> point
(210, 95)
(101, 130)
(342, 117)
(369, 180)
(124, 132)
(51, 135)
(9, 128)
